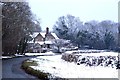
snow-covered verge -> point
(63, 69)
(40, 54)
(27, 54)
(5, 57)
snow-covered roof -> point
(30, 41)
(43, 34)
(54, 35)
(34, 34)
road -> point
(11, 69)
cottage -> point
(42, 41)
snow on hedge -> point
(104, 59)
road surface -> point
(11, 69)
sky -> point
(50, 10)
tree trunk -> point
(58, 49)
(78, 46)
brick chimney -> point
(47, 30)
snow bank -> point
(5, 57)
(40, 54)
(60, 68)
(18, 55)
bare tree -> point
(18, 23)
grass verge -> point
(26, 66)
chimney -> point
(47, 30)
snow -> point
(48, 42)
(30, 41)
(40, 42)
(55, 36)
(34, 34)
(93, 53)
(60, 68)
(43, 34)
(18, 55)
(5, 57)
(40, 54)
(86, 51)
(100, 54)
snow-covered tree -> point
(67, 26)
(119, 35)
(91, 26)
(91, 33)
(59, 43)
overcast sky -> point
(49, 10)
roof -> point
(43, 35)
(30, 41)
(34, 34)
(54, 35)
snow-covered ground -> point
(60, 68)
(5, 57)
(40, 54)
(28, 54)
(18, 55)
